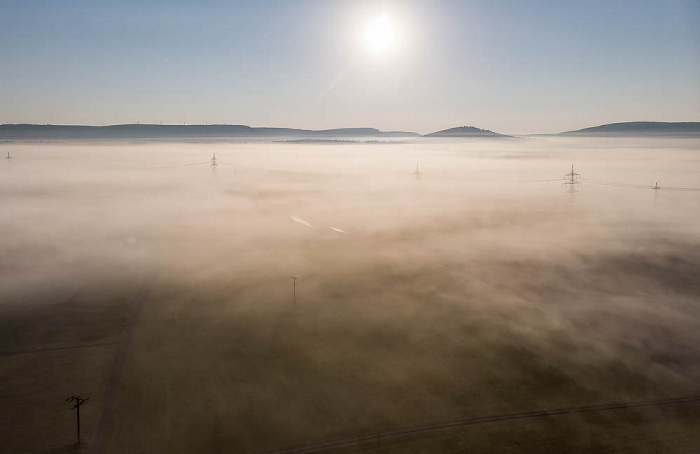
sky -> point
(508, 66)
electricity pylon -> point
(572, 179)
(213, 160)
(78, 402)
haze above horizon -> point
(543, 66)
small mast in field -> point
(294, 278)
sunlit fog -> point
(435, 280)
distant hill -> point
(466, 131)
(148, 131)
(640, 129)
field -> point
(159, 286)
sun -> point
(380, 34)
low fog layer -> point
(480, 285)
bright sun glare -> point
(380, 34)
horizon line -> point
(334, 128)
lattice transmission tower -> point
(572, 179)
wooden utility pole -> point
(78, 402)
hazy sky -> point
(510, 66)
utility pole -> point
(78, 402)
(8, 156)
(656, 186)
(294, 278)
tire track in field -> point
(138, 301)
(424, 428)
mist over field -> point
(158, 285)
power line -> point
(184, 165)
(573, 179)
(540, 181)
(639, 186)
(51, 349)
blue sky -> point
(510, 66)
